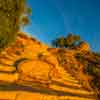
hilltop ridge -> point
(31, 70)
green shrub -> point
(11, 12)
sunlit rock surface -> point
(30, 70)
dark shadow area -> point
(17, 62)
(43, 90)
(8, 72)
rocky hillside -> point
(30, 70)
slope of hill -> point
(30, 70)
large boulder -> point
(35, 70)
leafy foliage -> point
(11, 13)
(59, 42)
(25, 20)
(69, 41)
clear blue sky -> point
(53, 18)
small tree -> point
(72, 40)
(66, 42)
(55, 43)
(59, 42)
(11, 15)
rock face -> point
(39, 71)
(30, 70)
(84, 46)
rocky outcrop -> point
(30, 70)
(83, 46)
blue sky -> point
(54, 18)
